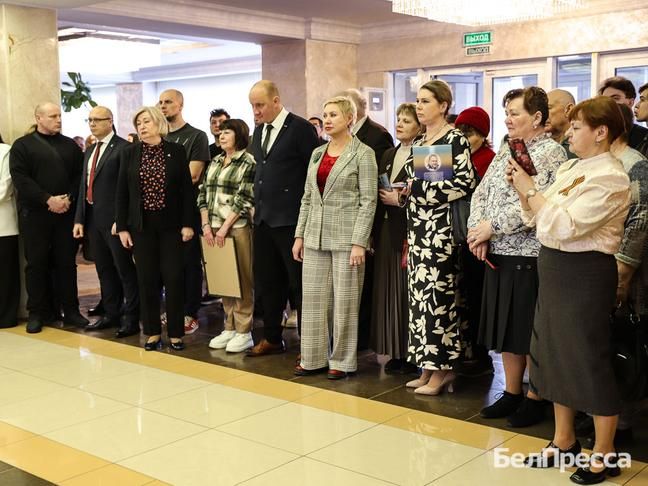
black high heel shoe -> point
(584, 475)
(540, 461)
(177, 345)
(153, 345)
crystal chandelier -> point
(484, 12)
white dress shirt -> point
(8, 214)
(104, 143)
(277, 125)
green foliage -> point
(79, 95)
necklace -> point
(429, 139)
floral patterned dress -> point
(435, 316)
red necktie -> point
(95, 158)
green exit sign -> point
(477, 38)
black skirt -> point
(571, 355)
(508, 304)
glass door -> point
(499, 80)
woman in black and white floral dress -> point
(435, 320)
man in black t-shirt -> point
(46, 169)
(216, 117)
(197, 148)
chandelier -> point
(484, 12)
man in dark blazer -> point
(282, 145)
(95, 216)
(378, 138)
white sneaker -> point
(220, 341)
(240, 342)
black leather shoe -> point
(97, 310)
(584, 475)
(393, 366)
(540, 461)
(530, 412)
(75, 319)
(177, 345)
(127, 328)
(102, 323)
(153, 345)
(505, 406)
(34, 325)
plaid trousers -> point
(331, 300)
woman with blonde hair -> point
(331, 238)
(155, 204)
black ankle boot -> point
(505, 406)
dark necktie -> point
(95, 158)
(266, 141)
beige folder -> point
(222, 269)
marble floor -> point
(87, 409)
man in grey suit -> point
(95, 216)
(282, 145)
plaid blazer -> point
(343, 215)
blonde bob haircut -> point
(157, 117)
(346, 106)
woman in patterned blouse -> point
(154, 212)
(496, 232)
(225, 200)
(435, 317)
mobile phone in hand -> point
(521, 155)
(383, 182)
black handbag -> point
(630, 354)
(460, 211)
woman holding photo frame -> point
(225, 200)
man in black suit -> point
(95, 215)
(282, 145)
(45, 168)
(378, 138)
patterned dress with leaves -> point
(435, 314)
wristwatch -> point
(530, 193)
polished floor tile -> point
(313, 473)
(48, 459)
(641, 479)
(19, 386)
(112, 475)
(145, 385)
(124, 434)
(57, 410)
(397, 456)
(210, 458)
(89, 367)
(17, 477)
(10, 434)
(213, 405)
(283, 390)
(296, 428)
(21, 358)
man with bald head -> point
(95, 217)
(196, 147)
(282, 145)
(561, 103)
(45, 168)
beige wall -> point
(440, 45)
(29, 69)
(308, 72)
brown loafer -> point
(265, 348)
(300, 371)
(336, 374)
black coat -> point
(105, 184)
(397, 216)
(280, 177)
(376, 136)
(179, 198)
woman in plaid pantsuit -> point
(332, 234)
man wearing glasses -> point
(95, 216)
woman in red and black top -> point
(154, 216)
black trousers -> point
(49, 247)
(193, 274)
(9, 281)
(158, 256)
(116, 271)
(277, 276)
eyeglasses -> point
(97, 120)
